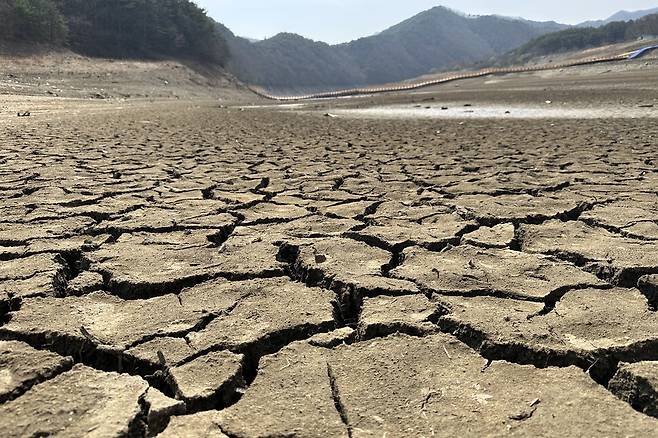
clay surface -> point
(251, 270)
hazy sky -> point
(336, 21)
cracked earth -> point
(178, 270)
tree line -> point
(115, 28)
(582, 38)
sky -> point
(337, 21)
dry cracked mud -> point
(185, 269)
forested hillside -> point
(115, 28)
(290, 61)
(435, 39)
(582, 38)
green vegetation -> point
(116, 28)
(32, 21)
(583, 38)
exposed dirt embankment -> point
(602, 51)
(66, 74)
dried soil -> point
(197, 270)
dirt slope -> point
(66, 74)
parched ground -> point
(193, 270)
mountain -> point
(619, 16)
(628, 16)
(432, 40)
(438, 39)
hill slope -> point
(435, 39)
(582, 38)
